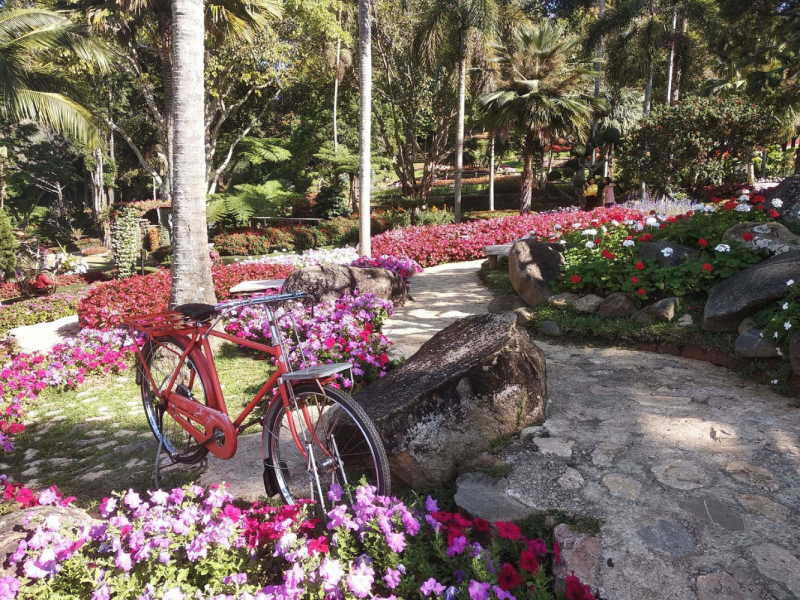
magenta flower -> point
(431, 586)
(392, 577)
(335, 493)
(457, 547)
(478, 590)
(123, 561)
(396, 541)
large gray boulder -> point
(753, 344)
(531, 265)
(750, 290)
(666, 253)
(474, 381)
(788, 192)
(771, 237)
(330, 282)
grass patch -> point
(496, 280)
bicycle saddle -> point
(197, 311)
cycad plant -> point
(32, 85)
(545, 95)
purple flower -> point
(360, 579)
(123, 561)
(458, 575)
(48, 496)
(502, 594)
(335, 493)
(478, 591)
(451, 593)
(431, 587)
(102, 593)
(9, 586)
(457, 547)
(396, 541)
(392, 577)
(173, 594)
(431, 505)
(238, 579)
(331, 572)
(132, 499)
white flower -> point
(576, 225)
(615, 223)
(775, 335)
(790, 282)
(556, 226)
(589, 232)
(777, 202)
(667, 252)
(744, 198)
(785, 305)
(787, 326)
(651, 222)
(774, 382)
(590, 244)
(743, 208)
(723, 248)
(778, 350)
(628, 243)
(563, 242)
(638, 227)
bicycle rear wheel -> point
(163, 358)
(346, 447)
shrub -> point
(39, 310)
(253, 242)
(331, 202)
(434, 216)
(554, 175)
(126, 241)
(8, 245)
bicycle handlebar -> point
(231, 304)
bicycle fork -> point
(313, 470)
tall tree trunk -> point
(763, 163)
(526, 183)
(365, 124)
(671, 63)
(597, 67)
(168, 76)
(462, 96)
(676, 87)
(648, 90)
(191, 266)
(491, 174)
(336, 86)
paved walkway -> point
(43, 336)
(439, 296)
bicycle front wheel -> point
(345, 446)
(163, 357)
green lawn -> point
(96, 439)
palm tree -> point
(191, 266)
(365, 124)
(449, 24)
(544, 97)
(32, 85)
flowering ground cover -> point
(438, 244)
(194, 540)
(40, 310)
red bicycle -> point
(313, 434)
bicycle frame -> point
(221, 434)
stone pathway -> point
(43, 336)
(439, 296)
(694, 472)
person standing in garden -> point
(609, 199)
(590, 194)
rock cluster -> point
(330, 282)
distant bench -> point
(256, 286)
(492, 252)
(254, 221)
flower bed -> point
(605, 260)
(39, 310)
(12, 289)
(195, 542)
(347, 330)
(438, 244)
(107, 303)
(65, 366)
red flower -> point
(639, 266)
(318, 545)
(747, 236)
(641, 291)
(508, 578)
(384, 358)
(634, 279)
(758, 199)
(702, 242)
(527, 560)
(481, 525)
(575, 590)
(646, 237)
(576, 279)
(773, 213)
(598, 241)
(607, 254)
(508, 530)
(708, 267)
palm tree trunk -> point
(462, 95)
(526, 183)
(671, 63)
(365, 124)
(336, 87)
(597, 67)
(168, 77)
(191, 267)
(491, 174)
(648, 90)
